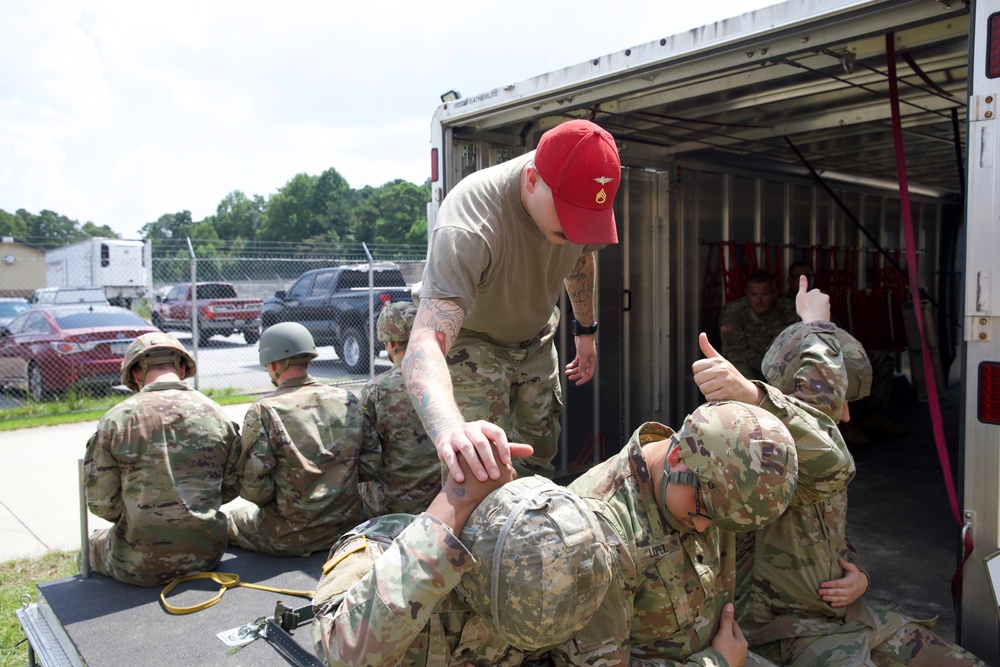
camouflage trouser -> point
(246, 532)
(515, 387)
(896, 641)
(142, 569)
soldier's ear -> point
(674, 455)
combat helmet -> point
(152, 349)
(743, 460)
(286, 340)
(541, 563)
(784, 358)
(395, 321)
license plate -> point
(118, 348)
(238, 323)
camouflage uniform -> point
(299, 464)
(400, 471)
(402, 590)
(784, 563)
(515, 387)
(160, 465)
(746, 335)
(675, 581)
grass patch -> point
(78, 406)
(18, 577)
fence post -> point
(194, 305)
(371, 312)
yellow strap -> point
(357, 544)
(226, 581)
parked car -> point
(220, 311)
(11, 307)
(51, 349)
(333, 304)
(46, 296)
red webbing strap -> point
(911, 268)
(729, 277)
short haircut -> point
(760, 276)
(801, 264)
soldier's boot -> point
(852, 434)
(877, 422)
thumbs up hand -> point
(811, 304)
(718, 380)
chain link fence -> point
(75, 340)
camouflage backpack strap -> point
(353, 556)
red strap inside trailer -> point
(914, 284)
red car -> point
(54, 348)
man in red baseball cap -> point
(481, 365)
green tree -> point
(239, 216)
(170, 226)
(12, 225)
(333, 203)
(394, 213)
(289, 215)
(101, 232)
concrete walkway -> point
(40, 490)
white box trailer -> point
(769, 136)
(122, 268)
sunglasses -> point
(697, 503)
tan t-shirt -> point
(489, 256)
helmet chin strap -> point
(688, 478)
(158, 360)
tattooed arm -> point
(580, 287)
(428, 381)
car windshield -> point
(12, 308)
(84, 319)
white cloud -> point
(118, 112)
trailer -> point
(122, 268)
(808, 130)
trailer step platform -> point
(100, 622)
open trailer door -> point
(981, 386)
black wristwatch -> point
(580, 330)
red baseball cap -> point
(579, 162)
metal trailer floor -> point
(109, 624)
(899, 518)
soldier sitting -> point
(750, 323)
(299, 460)
(401, 473)
(160, 465)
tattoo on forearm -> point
(580, 287)
(459, 492)
(428, 382)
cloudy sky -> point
(117, 111)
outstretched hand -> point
(811, 304)
(719, 380)
(582, 368)
(482, 445)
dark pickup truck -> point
(333, 304)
